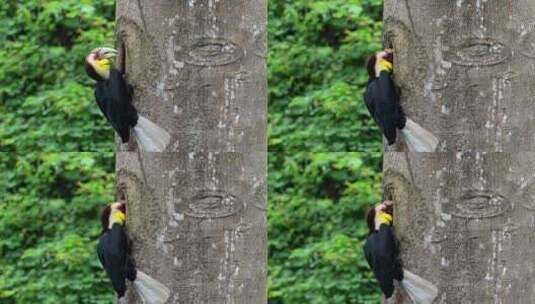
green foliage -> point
(46, 100)
(318, 51)
(49, 202)
(48, 226)
(316, 205)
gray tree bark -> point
(197, 213)
(466, 222)
(465, 69)
(198, 224)
(198, 68)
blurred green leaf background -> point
(57, 168)
(49, 211)
(316, 205)
(317, 53)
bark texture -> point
(466, 222)
(198, 223)
(198, 70)
(196, 214)
(465, 69)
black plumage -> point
(113, 253)
(382, 254)
(382, 101)
(114, 97)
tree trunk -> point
(197, 213)
(198, 68)
(197, 223)
(466, 222)
(465, 70)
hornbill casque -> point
(382, 101)
(382, 254)
(114, 98)
(113, 251)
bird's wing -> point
(112, 252)
(368, 98)
(102, 97)
(381, 253)
(386, 108)
(123, 113)
(100, 254)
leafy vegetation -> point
(46, 100)
(316, 203)
(48, 226)
(49, 202)
(50, 199)
(318, 50)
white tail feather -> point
(419, 290)
(150, 137)
(417, 138)
(150, 290)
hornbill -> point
(114, 98)
(382, 101)
(382, 254)
(114, 254)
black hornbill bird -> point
(114, 98)
(381, 96)
(113, 251)
(381, 250)
(382, 254)
(382, 101)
